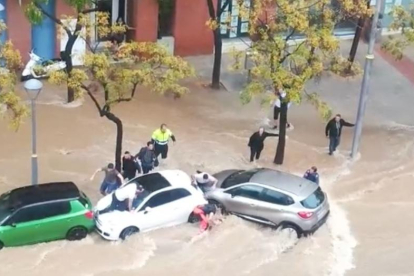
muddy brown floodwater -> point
(368, 233)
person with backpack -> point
(148, 158)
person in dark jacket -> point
(333, 131)
(256, 143)
(147, 157)
(312, 175)
(129, 166)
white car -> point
(170, 201)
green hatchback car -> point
(44, 212)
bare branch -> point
(89, 10)
(220, 11)
(95, 101)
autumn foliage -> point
(10, 102)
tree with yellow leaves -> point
(294, 43)
(119, 70)
(10, 102)
(404, 21)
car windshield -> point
(314, 200)
(5, 208)
(238, 178)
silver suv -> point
(271, 197)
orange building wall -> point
(19, 28)
(192, 36)
(146, 20)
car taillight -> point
(89, 215)
(305, 215)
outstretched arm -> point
(345, 123)
(94, 174)
(268, 134)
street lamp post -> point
(369, 59)
(33, 88)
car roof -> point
(176, 178)
(47, 192)
(284, 181)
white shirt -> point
(277, 102)
(200, 180)
(127, 192)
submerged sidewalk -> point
(391, 85)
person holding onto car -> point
(148, 158)
(123, 198)
(160, 138)
(333, 131)
(111, 181)
(205, 213)
(204, 181)
(256, 143)
(312, 175)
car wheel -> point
(219, 206)
(77, 233)
(1, 245)
(193, 218)
(129, 231)
(290, 231)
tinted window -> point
(249, 191)
(166, 197)
(152, 182)
(5, 208)
(41, 211)
(314, 200)
(275, 197)
(179, 193)
(238, 178)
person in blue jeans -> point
(112, 179)
(333, 131)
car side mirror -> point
(147, 209)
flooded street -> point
(368, 232)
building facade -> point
(181, 24)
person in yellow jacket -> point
(160, 138)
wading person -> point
(147, 157)
(204, 181)
(333, 131)
(129, 166)
(256, 143)
(110, 182)
(277, 109)
(160, 138)
(312, 175)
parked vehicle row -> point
(54, 211)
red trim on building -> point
(192, 35)
(146, 20)
(19, 30)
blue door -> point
(44, 34)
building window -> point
(232, 25)
(165, 17)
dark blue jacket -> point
(312, 176)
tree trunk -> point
(67, 57)
(218, 46)
(119, 136)
(280, 150)
(357, 38)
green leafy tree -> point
(282, 63)
(113, 75)
(10, 102)
(404, 20)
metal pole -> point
(369, 58)
(34, 153)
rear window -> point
(152, 182)
(84, 200)
(314, 200)
(238, 178)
